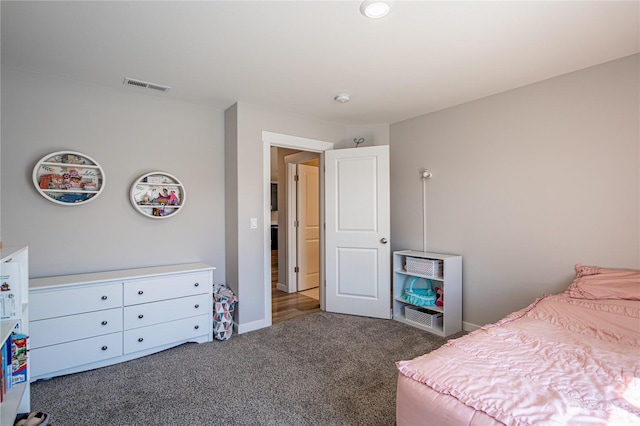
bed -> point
(567, 359)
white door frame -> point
(292, 202)
(308, 229)
(291, 161)
(280, 140)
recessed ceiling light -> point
(343, 98)
(375, 9)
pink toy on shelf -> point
(173, 199)
(440, 295)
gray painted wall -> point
(231, 197)
(129, 133)
(526, 184)
(372, 135)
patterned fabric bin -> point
(224, 303)
(423, 316)
(429, 267)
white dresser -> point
(85, 321)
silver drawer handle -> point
(140, 339)
(196, 327)
(197, 306)
(104, 323)
(196, 284)
(104, 297)
(141, 292)
(104, 348)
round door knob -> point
(196, 306)
(104, 298)
(140, 339)
(383, 241)
(196, 327)
(141, 292)
(196, 284)
(104, 323)
(104, 348)
(140, 316)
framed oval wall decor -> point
(157, 195)
(68, 178)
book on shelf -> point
(3, 388)
(19, 347)
(7, 369)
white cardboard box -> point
(10, 298)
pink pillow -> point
(593, 282)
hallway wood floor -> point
(285, 305)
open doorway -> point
(350, 242)
(295, 233)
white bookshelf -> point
(450, 280)
(17, 399)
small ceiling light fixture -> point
(343, 98)
(375, 9)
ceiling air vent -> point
(145, 84)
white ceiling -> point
(295, 56)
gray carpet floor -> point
(319, 369)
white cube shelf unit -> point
(449, 279)
(15, 262)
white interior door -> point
(308, 227)
(357, 231)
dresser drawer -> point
(74, 300)
(167, 287)
(166, 310)
(74, 327)
(169, 332)
(50, 359)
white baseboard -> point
(282, 287)
(467, 326)
(255, 325)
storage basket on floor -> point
(423, 316)
(224, 302)
(429, 267)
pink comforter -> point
(560, 361)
